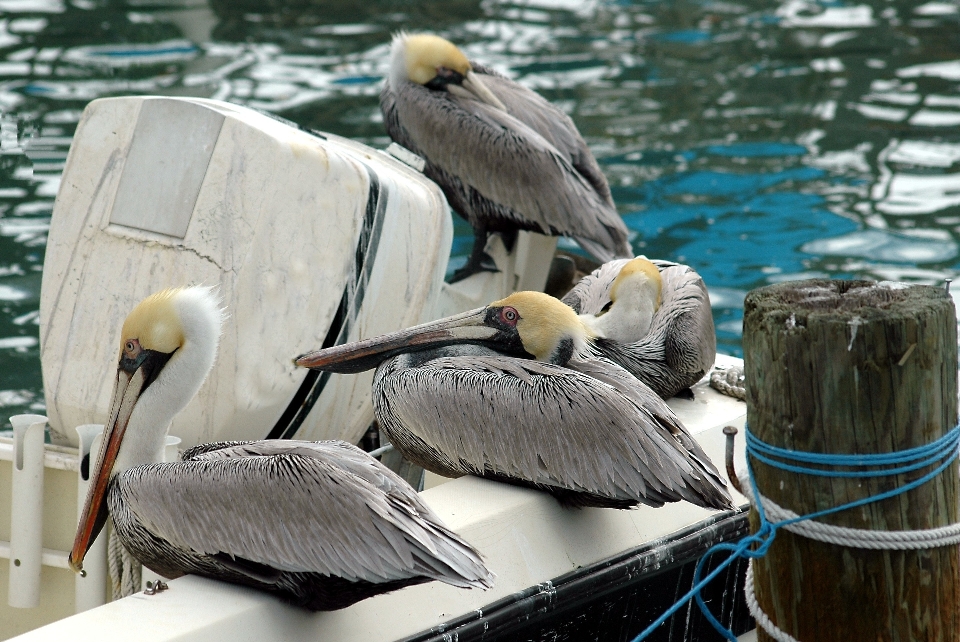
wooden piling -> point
(846, 367)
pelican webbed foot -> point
(479, 260)
(153, 588)
(686, 393)
(476, 263)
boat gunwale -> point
(596, 580)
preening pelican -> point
(505, 158)
(320, 524)
(509, 392)
(657, 317)
(635, 296)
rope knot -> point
(940, 453)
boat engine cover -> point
(311, 240)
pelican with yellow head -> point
(655, 318)
(274, 515)
(514, 392)
(635, 297)
(505, 158)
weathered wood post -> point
(845, 367)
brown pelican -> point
(320, 524)
(505, 158)
(510, 392)
(656, 317)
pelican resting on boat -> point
(505, 158)
(320, 524)
(511, 392)
(656, 317)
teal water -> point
(756, 141)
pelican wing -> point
(666, 422)
(689, 338)
(527, 106)
(323, 507)
(508, 162)
(682, 329)
(391, 119)
(550, 122)
(545, 424)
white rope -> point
(840, 536)
(729, 381)
(124, 568)
(763, 620)
(857, 537)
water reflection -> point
(760, 141)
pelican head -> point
(167, 346)
(548, 329)
(635, 297)
(638, 276)
(437, 64)
(531, 325)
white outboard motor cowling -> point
(312, 240)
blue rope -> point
(943, 450)
(914, 458)
(806, 470)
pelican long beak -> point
(467, 327)
(125, 394)
(475, 86)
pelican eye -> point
(509, 315)
(131, 348)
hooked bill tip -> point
(76, 567)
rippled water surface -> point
(756, 141)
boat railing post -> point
(534, 256)
(26, 511)
(170, 452)
(90, 591)
(171, 449)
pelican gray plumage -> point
(505, 158)
(510, 392)
(656, 317)
(320, 524)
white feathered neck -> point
(195, 315)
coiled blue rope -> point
(943, 450)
